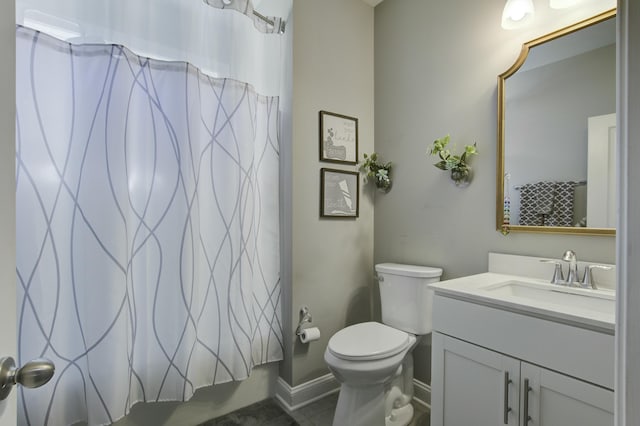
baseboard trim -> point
(293, 398)
(422, 394)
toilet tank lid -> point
(408, 270)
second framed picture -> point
(338, 138)
(339, 193)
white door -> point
(7, 198)
(601, 172)
(471, 385)
(556, 399)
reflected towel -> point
(528, 214)
(544, 196)
(562, 214)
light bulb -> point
(517, 13)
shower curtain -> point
(147, 215)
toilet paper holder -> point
(305, 317)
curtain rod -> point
(271, 21)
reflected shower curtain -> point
(147, 228)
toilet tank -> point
(405, 297)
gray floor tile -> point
(283, 420)
(264, 413)
(323, 418)
(300, 418)
(328, 402)
(421, 418)
(318, 413)
(303, 421)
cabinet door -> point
(472, 386)
(557, 400)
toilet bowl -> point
(366, 358)
(373, 360)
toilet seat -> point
(368, 341)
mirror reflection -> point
(557, 132)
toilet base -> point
(400, 416)
(398, 408)
(364, 406)
(360, 406)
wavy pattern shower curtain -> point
(147, 228)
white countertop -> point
(474, 288)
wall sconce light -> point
(563, 4)
(518, 13)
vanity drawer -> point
(578, 352)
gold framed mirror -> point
(556, 128)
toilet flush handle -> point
(380, 278)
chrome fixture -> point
(33, 374)
(305, 317)
(578, 183)
(505, 405)
(587, 279)
(558, 276)
(272, 22)
(572, 275)
(279, 24)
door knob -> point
(33, 374)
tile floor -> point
(320, 413)
(264, 413)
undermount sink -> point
(582, 307)
(597, 300)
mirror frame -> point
(505, 229)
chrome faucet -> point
(558, 276)
(572, 275)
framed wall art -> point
(339, 193)
(338, 138)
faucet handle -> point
(558, 276)
(569, 256)
(587, 279)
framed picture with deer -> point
(338, 138)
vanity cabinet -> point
(475, 386)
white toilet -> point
(373, 361)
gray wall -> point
(332, 259)
(436, 68)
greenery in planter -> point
(378, 172)
(457, 164)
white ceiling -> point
(372, 3)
